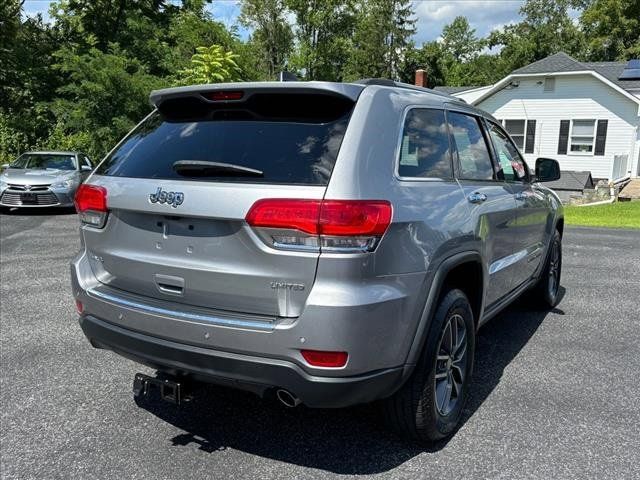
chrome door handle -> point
(477, 197)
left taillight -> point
(91, 205)
(344, 226)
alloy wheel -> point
(451, 364)
(554, 269)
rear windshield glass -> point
(288, 139)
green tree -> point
(429, 58)
(323, 33)
(460, 42)
(112, 21)
(546, 29)
(461, 49)
(272, 36)
(612, 29)
(159, 33)
(27, 82)
(83, 80)
(104, 96)
(381, 39)
(211, 65)
(191, 27)
(457, 59)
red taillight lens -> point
(79, 307)
(318, 358)
(91, 205)
(334, 225)
(224, 95)
(91, 197)
(293, 214)
(354, 217)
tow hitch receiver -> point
(170, 391)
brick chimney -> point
(421, 78)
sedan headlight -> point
(64, 184)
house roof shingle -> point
(561, 62)
(451, 90)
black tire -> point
(545, 293)
(419, 410)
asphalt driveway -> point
(556, 395)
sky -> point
(432, 15)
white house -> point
(585, 115)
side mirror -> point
(85, 168)
(547, 170)
(4, 167)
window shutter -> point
(564, 137)
(531, 136)
(601, 137)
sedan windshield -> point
(42, 161)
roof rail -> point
(385, 82)
(376, 81)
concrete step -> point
(631, 191)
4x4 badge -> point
(171, 198)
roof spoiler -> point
(350, 91)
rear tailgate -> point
(201, 253)
(182, 236)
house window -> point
(516, 129)
(582, 136)
(549, 84)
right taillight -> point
(331, 225)
(91, 205)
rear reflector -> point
(79, 307)
(91, 204)
(344, 225)
(318, 358)
(224, 95)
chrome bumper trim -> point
(212, 319)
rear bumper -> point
(257, 374)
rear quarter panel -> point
(430, 222)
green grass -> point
(614, 215)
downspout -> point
(612, 194)
(604, 202)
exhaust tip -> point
(287, 398)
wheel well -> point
(467, 277)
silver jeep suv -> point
(325, 243)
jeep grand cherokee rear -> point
(300, 238)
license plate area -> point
(28, 197)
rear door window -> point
(471, 147)
(285, 138)
(425, 145)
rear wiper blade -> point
(206, 168)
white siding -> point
(574, 97)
